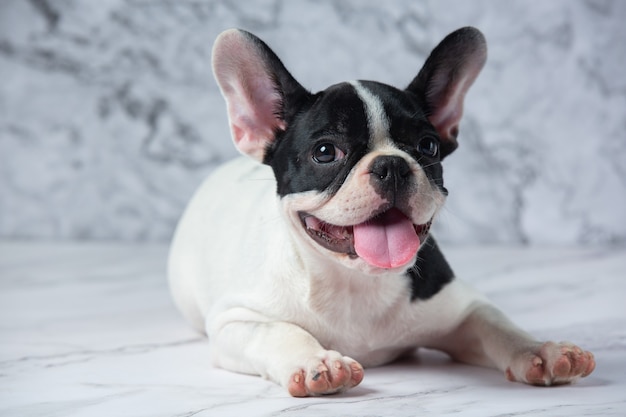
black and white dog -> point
(311, 258)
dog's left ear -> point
(257, 88)
(444, 79)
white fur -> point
(263, 273)
(275, 303)
(377, 120)
(271, 306)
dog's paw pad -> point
(296, 386)
(536, 372)
(328, 374)
(551, 364)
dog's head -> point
(358, 165)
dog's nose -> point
(390, 171)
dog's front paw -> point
(327, 373)
(551, 364)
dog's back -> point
(235, 201)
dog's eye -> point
(326, 153)
(428, 146)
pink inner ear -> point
(449, 110)
(448, 85)
(253, 100)
(252, 120)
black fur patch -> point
(335, 115)
(408, 124)
(430, 273)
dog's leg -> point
(486, 337)
(282, 352)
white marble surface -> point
(88, 329)
(110, 118)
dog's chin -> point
(341, 240)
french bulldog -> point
(311, 257)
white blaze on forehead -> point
(377, 120)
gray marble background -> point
(110, 118)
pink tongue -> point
(388, 241)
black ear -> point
(257, 88)
(444, 79)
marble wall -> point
(110, 118)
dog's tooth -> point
(312, 222)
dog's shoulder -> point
(244, 172)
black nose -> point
(390, 172)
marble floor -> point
(88, 329)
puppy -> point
(311, 258)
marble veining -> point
(88, 329)
(110, 118)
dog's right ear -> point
(257, 87)
(445, 78)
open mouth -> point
(387, 240)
